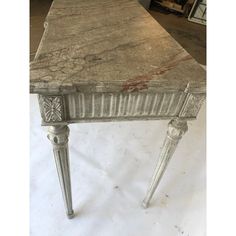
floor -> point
(191, 36)
(38, 12)
(111, 166)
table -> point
(109, 60)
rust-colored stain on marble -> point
(139, 83)
(136, 84)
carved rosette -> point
(51, 108)
(192, 105)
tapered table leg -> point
(176, 129)
(58, 135)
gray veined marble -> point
(109, 60)
(107, 46)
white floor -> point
(111, 165)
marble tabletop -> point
(109, 46)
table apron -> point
(77, 107)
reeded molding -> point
(118, 105)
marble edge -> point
(95, 88)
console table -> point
(109, 60)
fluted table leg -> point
(58, 135)
(176, 129)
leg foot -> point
(58, 135)
(144, 204)
(71, 215)
(176, 129)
